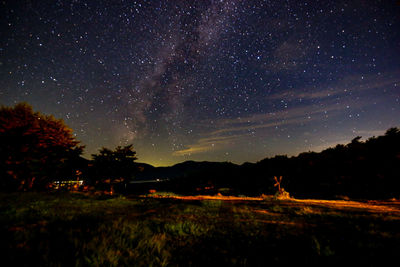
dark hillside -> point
(361, 169)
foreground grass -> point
(78, 230)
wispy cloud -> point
(289, 116)
(350, 85)
(207, 144)
(227, 132)
(291, 95)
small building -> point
(66, 184)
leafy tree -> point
(114, 166)
(34, 148)
(393, 132)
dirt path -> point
(369, 206)
(373, 206)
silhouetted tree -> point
(114, 166)
(34, 148)
(393, 132)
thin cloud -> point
(233, 130)
(206, 144)
(286, 116)
(350, 85)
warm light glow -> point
(370, 206)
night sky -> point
(206, 80)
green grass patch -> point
(80, 230)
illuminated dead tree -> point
(278, 184)
(281, 194)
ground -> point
(67, 229)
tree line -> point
(36, 149)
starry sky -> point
(206, 80)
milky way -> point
(206, 80)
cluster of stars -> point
(205, 80)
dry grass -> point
(204, 197)
(170, 230)
(374, 207)
(368, 206)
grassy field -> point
(65, 229)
